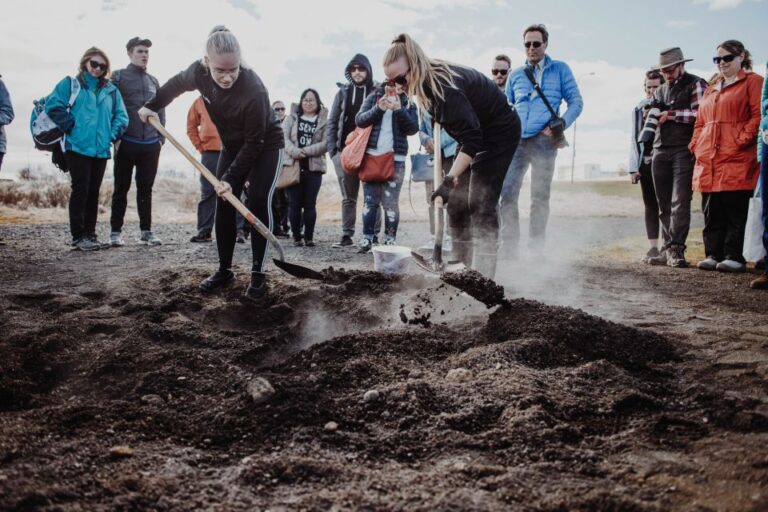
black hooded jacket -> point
(242, 114)
(342, 118)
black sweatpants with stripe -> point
(261, 179)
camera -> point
(653, 109)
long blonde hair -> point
(426, 73)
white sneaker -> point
(709, 263)
(731, 266)
(149, 238)
(116, 239)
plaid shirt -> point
(688, 115)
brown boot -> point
(761, 283)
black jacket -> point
(242, 114)
(137, 87)
(339, 116)
(477, 115)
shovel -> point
(291, 268)
(435, 264)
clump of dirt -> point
(478, 286)
(160, 371)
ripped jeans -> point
(388, 196)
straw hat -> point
(670, 57)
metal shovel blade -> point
(430, 265)
(298, 270)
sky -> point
(295, 44)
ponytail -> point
(221, 40)
(425, 73)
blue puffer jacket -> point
(405, 121)
(558, 84)
(98, 116)
(6, 113)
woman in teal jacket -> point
(96, 119)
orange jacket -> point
(200, 129)
(725, 136)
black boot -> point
(257, 290)
(217, 281)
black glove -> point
(444, 190)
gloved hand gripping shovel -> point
(435, 264)
(291, 268)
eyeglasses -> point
(398, 80)
(97, 65)
(535, 44)
(503, 72)
(357, 68)
(724, 58)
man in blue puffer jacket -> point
(536, 148)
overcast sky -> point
(294, 44)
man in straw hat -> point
(672, 165)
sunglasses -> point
(724, 58)
(357, 68)
(398, 80)
(535, 44)
(503, 72)
(97, 65)
(280, 109)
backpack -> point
(46, 135)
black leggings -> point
(650, 202)
(86, 173)
(262, 179)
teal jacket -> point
(97, 118)
(764, 114)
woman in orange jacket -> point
(724, 143)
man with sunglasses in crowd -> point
(672, 164)
(538, 147)
(500, 70)
(139, 146)
(341, 123)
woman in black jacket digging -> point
(252, 140)
(475, 112)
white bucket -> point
(391, 259)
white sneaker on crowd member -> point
(364, 246)
(708, 263)
(653, 252)
(149, 238)
(731, 266)
(116, 239)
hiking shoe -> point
(365, 246)
(258, 288)
(201, 238)
(709, 263)
(83, 244)
(676, 257)
(298, 242)
(149, 238)
(653, 252)
(93, 238)
(217, 281)
(240, 236)
(345, 241)
(116, 239)
(658, 260)
(761, 283)
(731, 266)
(309, 242)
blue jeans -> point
(764, 195)
(538, 152)
(206, 208)
(386, 195)
(302, 204)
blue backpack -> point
(46, 135)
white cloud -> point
(719, 5)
